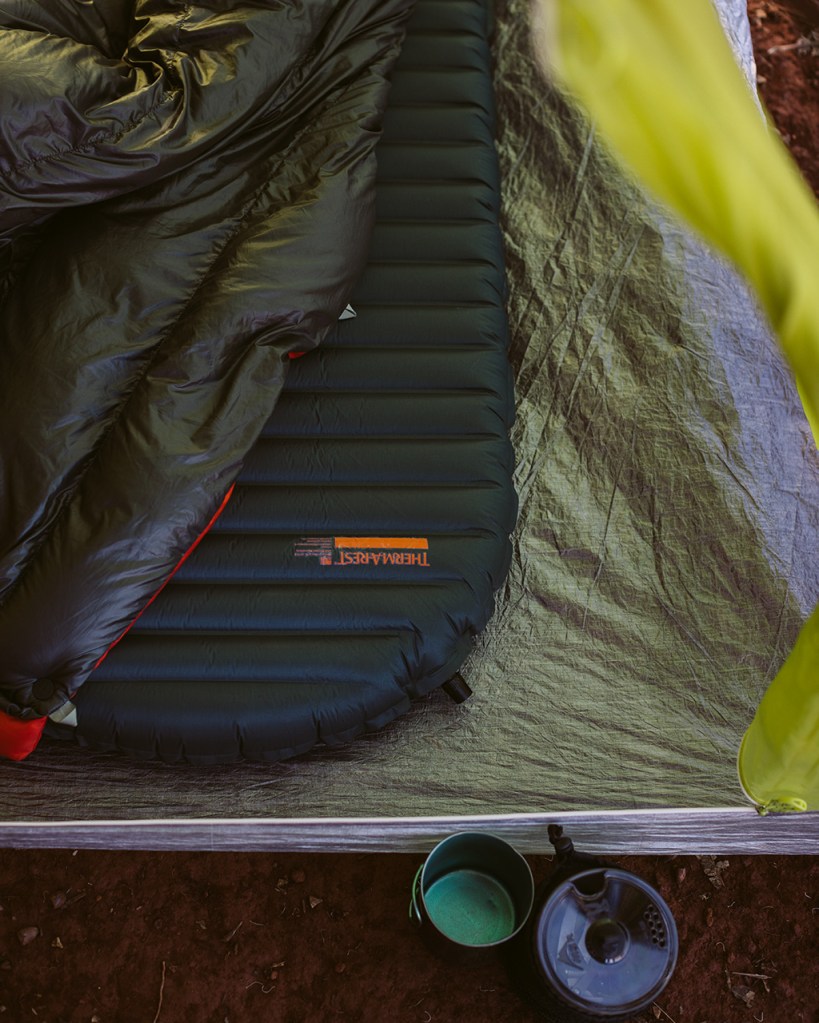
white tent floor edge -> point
(683, 831)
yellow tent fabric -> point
(659, 78)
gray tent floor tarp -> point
(665, 558)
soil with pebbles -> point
(120, 937)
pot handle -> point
(414, 911)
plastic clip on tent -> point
(661, 82)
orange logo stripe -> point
(395, 542)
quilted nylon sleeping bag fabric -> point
(186, 196)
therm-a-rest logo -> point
(378, 551)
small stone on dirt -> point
(274, 975)
(27, 934)
(744, 994)
(314, 901)
(298, 876)
(56, 943)
(58, 900)
(681, 875)
(341, 967)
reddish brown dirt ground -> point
(105, 937)
(229, 938)
(786, 47)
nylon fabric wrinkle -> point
(68, 491)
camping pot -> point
(601, 943)
(472, 894)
